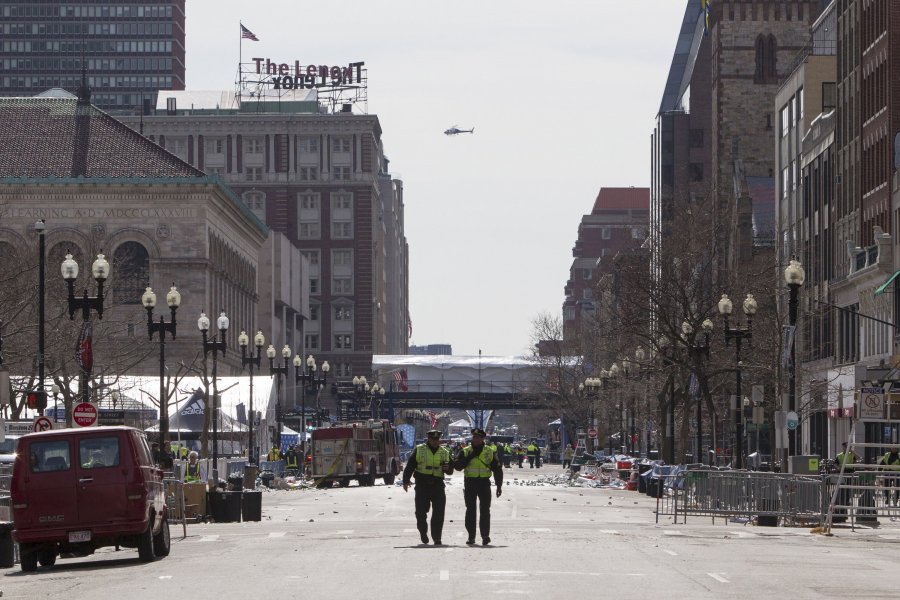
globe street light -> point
(259, 340)
(173, 299)
(305, 375)
(84, 355)
(279, 373)
(738, 334)
(215, 345)
(793, 277)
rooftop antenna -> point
(83, 92)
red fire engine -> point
(364, 451)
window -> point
(309, 144)
(309, 216)
(587, 274)
(587, 294)
(341, 144)
(785, 119)
(215, 146)
(605, 233)
(312, 341)
(766, 59)
(313, 257)
(637, 233)
(342, 285)
(696, 171)
(341, 231)
(309, 173)
(253, 173)
(343, 202)
(569, 313)
(49, 456)
(799, 109)
(131, 273)
(343, 313)
(256, 202)
(785, 181)
(313, 312)
(341, 173)
(313, 285)
(793, 174)
(309, 231)
(829, 96)
(253, 145)
(696, 138)
(309, 201)
(342, 216)
(343, 341)
(98, 453)
(341, 258)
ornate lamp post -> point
(173, 299)
(698, 347)
(279, 373)
(100, 270)
(593, 385)
(738, 334)
(614, 371)
(259, 340)
(307, 377)
(215, 345)
(793, 277)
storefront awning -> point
(885, 285)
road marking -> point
(541, 530)
(445, 575)
(515, 511)
(670, 553)
(277, 534)
(209, 538)
(718, 578)
(345, 532)
(743, 534)
(501, 573)
(165, 577)
(609, 531)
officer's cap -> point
(434, 434)
(478, 432)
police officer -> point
(430, 462)
(477, 462)
(891, 459)
(532, 453)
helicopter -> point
(455, 131)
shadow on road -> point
(81, 565)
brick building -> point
(618, 222)
(324, 182)
(131, 48)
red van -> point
(76, 490)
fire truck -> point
(361, 450)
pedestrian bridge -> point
(461, 382)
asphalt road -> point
(548, 542)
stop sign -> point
(84, 414)
(592, 432)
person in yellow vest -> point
(478, 462)
(507, 455)
(192, 472)
(568, 453)
(274, 454)
(184, 452)
(291, 460)
(520, 455)
(891, 459)
(845, 457)
(532, 453)
(429, 463)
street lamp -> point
(738, 334)
(368, 394)
(593, 386)
(613, 376)
(698, 348)
(215, 345)
(100, 270)
(279, 373)
(40, 227)
(173, 299)
(793, 277)
(305, 375)
(259, 340)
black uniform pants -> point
(430, 495)
(478, 489)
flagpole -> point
(240, 57)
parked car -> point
(8, 449)
(76, 490)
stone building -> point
(102, 187)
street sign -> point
(871, 403)
(793, 420)
(42, 423)
(84, 414)
(592, 433)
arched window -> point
(759, 75)
(771, 58)
(131, 273)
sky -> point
(562, 95)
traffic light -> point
(37, 400)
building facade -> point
(618, 221)
(323, 181)
(131, 48)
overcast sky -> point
(562, 96)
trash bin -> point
(267, 477)
(250, 474)
(655, 487)
(251, 506)
(7, 548)
(236, 482)
(225, 507)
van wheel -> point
(145, 544)
(162, 542)
(28, 558)
(47, 557)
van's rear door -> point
(104, 463)
(45, 491)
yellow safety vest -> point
(887, 457)
(189, 476)
(841, 457)
(480, 466)
(291, 461)
(431, 463)
(532, 448)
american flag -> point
(433, 417)
(402, 380)
(247, 34)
